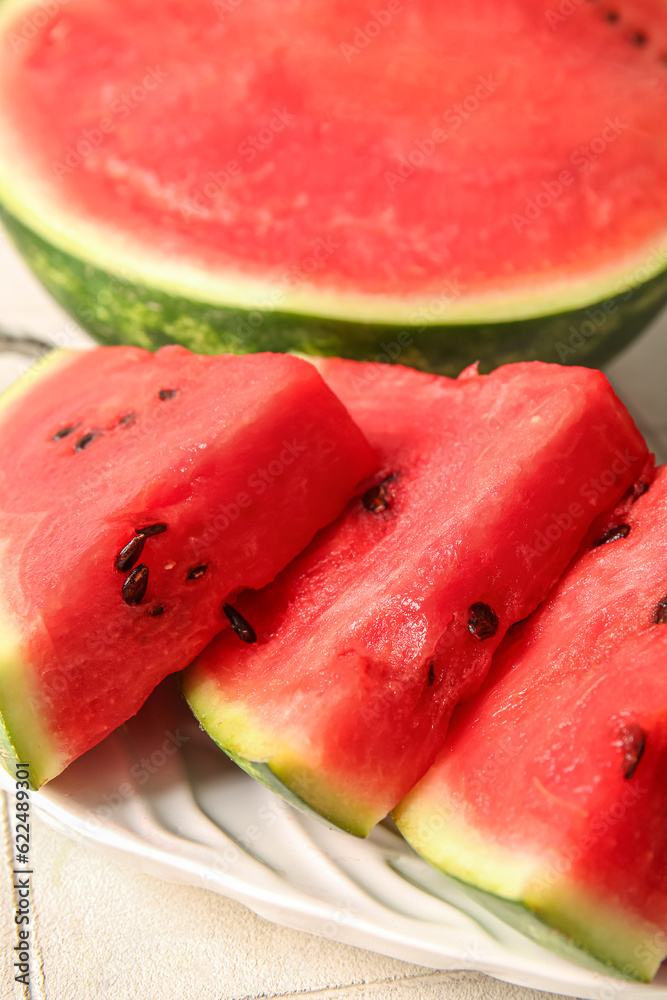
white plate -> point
(161, 792)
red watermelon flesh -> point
(333, 160)
(219, 469)
(551, 786)
(367, 641)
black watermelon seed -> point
(660, 613)
(129, 554)
(157, 610)
(127, 419)
(239, 624)
(151, 529)
(632, 741)
(375, 499)
(613, 16)
(134, 587)
(431, 675)
(64, 432)
(196, 572)
(613, 534)
(168, 393)
(482, 621)
(87, 439)
(638, 38)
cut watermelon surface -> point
(486, 486)
(551, 786)
(137, 492)
(417, 182)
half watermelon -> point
(369, 639)
(137, 493)
(551, 787)
(434, 184)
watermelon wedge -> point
(137, 493)
(368, 640)
(551, 787)
(418, 182)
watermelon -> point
(550, 789)
(424, 183)
(366, 642)
(139, 492)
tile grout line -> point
(434, 978)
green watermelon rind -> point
(248, 743)
(262, 772)
(351, 821)
(517, 886)
(515, 914)
(22, 738)
(118, 308)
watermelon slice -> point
(551, 787)
(486, 487)
(424, 182)
(137, 493)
